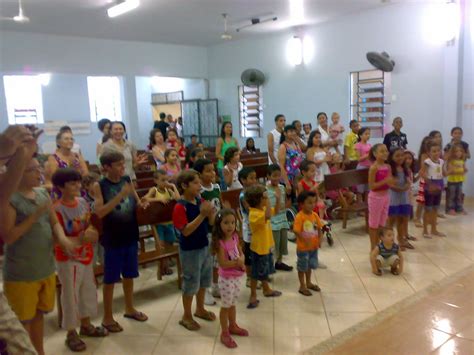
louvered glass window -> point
(250, 111)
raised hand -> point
(142, 159)
(206, 208)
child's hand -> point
(142, 159)
(90, 236)
(226, 204)
(144, 203)
(288, 188)
(206, 209)
(68, 246)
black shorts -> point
(262, 266)
(247, 254)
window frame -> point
(255, 132)
(95, 114)
(12, 105)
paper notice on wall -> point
(51, 128)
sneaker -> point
(321, 265)
(208, 299)
(283, 267)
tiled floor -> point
(291, 323)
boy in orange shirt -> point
(306, 227)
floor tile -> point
(295, 345)
(347, 302)
(246, 346)
(467, 333)
(455, 346)
(118, 344)
(184, 345)
(340, 321)
(300, 324)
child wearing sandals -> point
(420, 197)
(386, 254)
(306, 228)
(400, 208)
(432, 172)
(192, 217)
(260, 213)
(75, 271)
(225, 243)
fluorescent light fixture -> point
(294, 51)
(44, 79)
(296, 11)
(122, 8)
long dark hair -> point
(247, 145)
(311, 137)
(217, 233)
(287, 128)
(229, 154)
(373, 150)
(433, 133)
(223, 129)
(153, 133)
(413, 166)
(361, 132)
(393, 165)
(423, 149)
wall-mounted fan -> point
(381, 61)
(252, 77)
(20, 18)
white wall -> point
(424, 79)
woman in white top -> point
(104, 128)
(118, 143)
(323, 129)
(273, 138)
(157, 147)
(319, 155)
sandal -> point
(427, 236)
(378, 272)
(138, 316)
(410, 237)
(191, 325)
(274, 293)
(439, 234)
(93, 332)
(305, 292)
(253, 305)
(394, 271)
(406, 244)
(418, 224)
(314, 287)
(74, 343)
(114, 327)
(209, 316)
(227, 340)
(236, 330)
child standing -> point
(318, 155)
(380, 180)
(192, 217)
(172, 164)
(247, 177)
(225, 243)
(164, 192)
(433, 173)
(396, 138)
(362, 148)
(307, 227)
(420, 197)
(75, 271)
(386, 254)
(308, 183)
(350, 141)
(29, 229)
(456, 138)
(279, 222)
(456, 170)
(232, 166)
(400, 208)
(116, 202)
(260, 213)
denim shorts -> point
(307, 260)
(166, 233)
(197, 269)
(120, 261)
(262, 266)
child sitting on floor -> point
(386, 254)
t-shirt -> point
(435, 169)
(262, 236)
(235, 177)
(128, 150)
(213, 195)
(162, 126)
(385, 252)
(458, 171)
(246, 232)
(231, 252)
(185, 212)
(120, 226)
(30, 257)
(464, 145)
(393, 140)
(278, 221)
(74, 217)
(363, 149)
(350, 142)
(307, 226)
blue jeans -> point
(307, 260)
(454, 197)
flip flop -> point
(427, 236)
(314, 288)
(93, 332)
(209, 316)
(114, 327)
(138, 316)
(274, 293)
(410, 237)
(191, 325)
(439, 234)
(305, 292)
(253, 305)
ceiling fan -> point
(226, 36)
(20, 18)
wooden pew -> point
(348, 179)
(232, 196)
(154, 214)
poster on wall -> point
(51, 128)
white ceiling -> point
(190, 22)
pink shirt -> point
(231, 252)
(363, 149)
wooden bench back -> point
(145, 183)
(232, 196)
(345, 179)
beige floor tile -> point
(467, 333)
(155, 325)
(383, 299)
(295, 345)
(386, 282)
(208, 329)
(55, 344)
(340, 321)
(259, 323)
(331, 281)
(184, 345)
(347, 302)
(118, 344)
(300, 324)
(246, 346)
(456, 346)
(294, 302)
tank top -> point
(294, 157)
(75, 164)
(323, 168)
(458, 171)
(231, 252)
(386, 253)
(381, 174)
(276, 143)
(225, 146)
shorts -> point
(379, 203)
(307, 260)
(229, 288)
(387, 262)
(121, 261)
(281, 243)
(247, 254)
(166, 233)
(262, 266)
(433, 199)
(26, 298)
(78, 292)
(197, 270)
